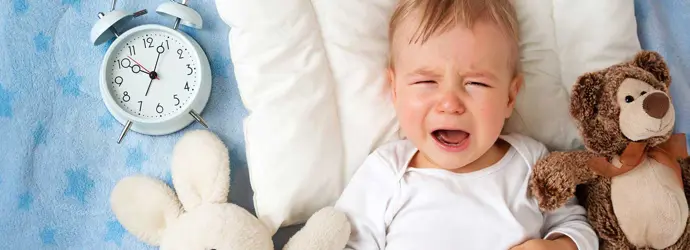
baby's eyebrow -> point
(425, 72)
(430, 72)
(479, 74)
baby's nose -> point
(451, 103)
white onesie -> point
(393, 207)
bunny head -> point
(198, 217)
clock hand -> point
(156, 66)
(138, 70)
(147, 89)
(145, 70)
(160, 49)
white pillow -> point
(311, 74)
(561, 40)
(314, 85)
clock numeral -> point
(179, 52)
(186, 86)
(126, 97)
(148, 41)
(118, 81)
(121, 63)
(190, 69)
(177, 99)
(132, 51)
(167, 44)
(159, 108)
(140, 103)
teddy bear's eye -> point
(643, 92)
(629, 99)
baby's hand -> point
(561, 243)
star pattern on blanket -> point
(20, 6)
(25, 201)
(115, 232)
(105, 122)
(70, 83)
(48, 236)
(5, 102)
(41, 41)
(74, 3)
(40, 134)
(136, 158)
(219, 65)
(106, 46)
(78, 184)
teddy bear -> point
(199, 216)
(633, 176)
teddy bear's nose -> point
(656, 105)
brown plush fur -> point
(596, 112)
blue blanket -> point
(663, 26)
(58, 153)
(58, 150)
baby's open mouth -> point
(450, 138)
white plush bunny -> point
(199, 217)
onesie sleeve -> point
(365, 201)
(570, 221)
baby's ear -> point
(515, 86)
(390, 80)
(654, 63)
(145, 207)
(585, 96)
(201, 169)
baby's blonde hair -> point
(438, 16)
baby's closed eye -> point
(478, 84)
(425, 82)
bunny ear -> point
(145, 207)
(201, 169)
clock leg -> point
(198, 118)
(124, 131)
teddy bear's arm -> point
(556, 176)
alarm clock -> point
(155, 80)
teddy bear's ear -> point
(585, 96)
(145, 207)
(201, 169)
(654, 63)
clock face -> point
(152, 74)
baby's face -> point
(453, 93)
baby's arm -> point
(365, 201)
(570, 221)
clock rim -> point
(172, 123)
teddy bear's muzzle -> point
(656, 105)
